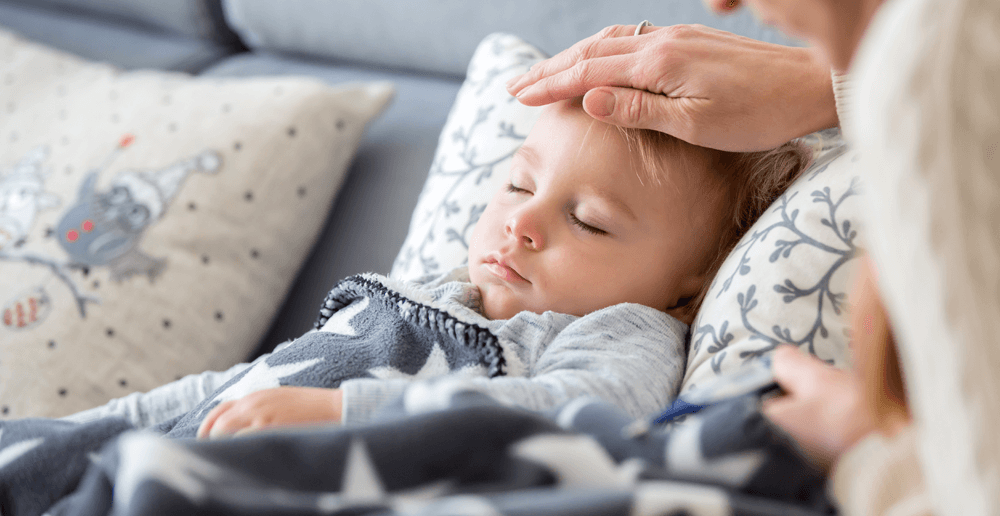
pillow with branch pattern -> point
(787, 279)
(484, 129)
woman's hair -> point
(747, 182)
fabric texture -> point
(787, 279)
(122, 45)
(463, 454)
(151, 222)
(926, 120)
(386, 33)
(198, 18)
(881, 476)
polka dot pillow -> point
(151, 223)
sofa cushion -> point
(369, 219)
(150, 222)
(442, 39)
(125, 46)
(201, 19)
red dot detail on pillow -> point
(72, 235)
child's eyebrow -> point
(528, 154)
(617, 202)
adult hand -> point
(267, 408)
(823, 408)
(702, 85)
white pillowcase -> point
(788, 278)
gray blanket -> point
(467, 455)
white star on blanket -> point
(17, 450)
(263, 376)
(340, 321)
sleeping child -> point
(583, 275)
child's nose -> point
(524, 225)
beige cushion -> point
(151, 223)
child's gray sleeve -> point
(145, 409)
(628, 355)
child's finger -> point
(209, 421)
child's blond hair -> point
(747, 182)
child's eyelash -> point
(581, 224)
(587, 227)
(513, 189)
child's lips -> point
(504, 271)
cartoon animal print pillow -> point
(151, 223)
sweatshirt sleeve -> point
(146, 409)
(881, 476)
(628, 355)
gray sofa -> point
(421, 46)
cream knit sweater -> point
(924, 113)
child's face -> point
(576, 230)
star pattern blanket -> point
(365, 328)
(439, 449)
(473, 457)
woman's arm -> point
(702, 85)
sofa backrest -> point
(198, 18)
(439, 36)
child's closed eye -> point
(586, 227)
(514, 189)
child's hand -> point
(281, 406)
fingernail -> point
(603, 104)
(513, 81)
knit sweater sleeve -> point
(628, 355)
(881, 476)
(842, 93)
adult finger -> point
(209, 421)
(722, 6)
(609, 42)
(614, 71)
(629, 107)
(796, 372)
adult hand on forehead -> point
(702, 85)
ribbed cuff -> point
(843, 95)
(363, 397)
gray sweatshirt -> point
(628, 354)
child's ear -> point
(682, 312)
(689, 288)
